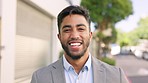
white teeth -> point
(75, 44)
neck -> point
(79, 63)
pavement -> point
(136, 69)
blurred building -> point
(28, 37)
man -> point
(77, 65)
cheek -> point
(64, 38)
(87, 35)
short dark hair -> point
(73, 10)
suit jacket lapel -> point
(58, 72)
(98, 71)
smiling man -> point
(77, 65)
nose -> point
(75, 34)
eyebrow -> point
(69, 26)
(80, 25)
(66, 26)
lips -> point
(75, 46)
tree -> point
(141, 32)
(122, 38)
(106, 13)
(132, 37)
(142, 29)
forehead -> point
(74, 19)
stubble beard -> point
(78, 56)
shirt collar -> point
(68, 66)
(88, 63)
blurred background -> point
(28, 36)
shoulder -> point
(44, 74)
(111, 72)
(109, 69)
(47, 69)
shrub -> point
(109, 61)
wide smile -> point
(75, 46)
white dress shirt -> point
(84, 76)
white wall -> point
(0, 7)
(51, 6)
(8, 21)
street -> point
(135, 69)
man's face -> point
(75, 35)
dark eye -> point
(66, 30)
(81, 29)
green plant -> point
(109, 61)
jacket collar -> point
(58, 72)
(99, 73)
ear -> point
(59, 36)
(90, 35)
